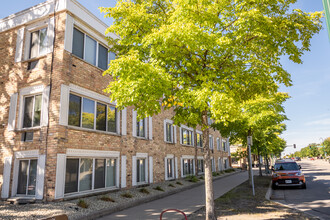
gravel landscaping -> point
(96, 203)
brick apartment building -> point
(61, 136)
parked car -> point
(287, 173)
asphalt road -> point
(315, 199)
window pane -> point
(37, 110)
(28, 110)
(169, 132)
(141, 131)
(103, 57)
(140, 165)
(32, 177)
(78, 43)
(71, 175)
(43, 41)
(22, 176)
(88, 113)
(90, 50)
(74, 110)
(34, 44)
(100, 116)
(85, 176)
(111, 172)
(111, 56)
(112, 115)
(169, 168)
(99, 181)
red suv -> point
(287, 173)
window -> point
(140, 128)
(218, 144)
(83, 174)
(169, 132)
(38, 43)
(187, 137)
(27, 177)
(188, 168)
(90, 114)
(27, 136)
(219, 164)
(141, 170)
(225, 163)
(199, 139)
(224, 145)
(213, 165)
(170, 168)
(32, 111)
(200, 166)
(85, 47)
(211, 142)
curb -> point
(108, 211)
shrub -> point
(192, 178)
(201, 177)
(107, 199)
(81, 203)
(171, 185)
(179, 183)
(158, 188)
(230, 170)
(144, 190)
(127, 195)
(215, 174)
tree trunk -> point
(267, 165)
(259, 163)
(249, 161)
(209, 197)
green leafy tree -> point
(203, 58)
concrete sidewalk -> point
(187, 201)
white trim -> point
(26, 154)
(32, 90)
(124, 121)
(176, 167)
(134, 171)
(200, 158)
(19, 44)
(68, 36)
(91, 153)
(60, 176)
(15, 177)
(151, 171)
(64, 105)
(142, 155)
(12, 112)
(150, 128)
(187, 157)
(90, 94)
(41, 165)
(6, 177)
(133, 123)
(44, 106)
(123, 171)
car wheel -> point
(274, 186)
(304, 186)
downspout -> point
(50, 92)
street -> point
(314, 200)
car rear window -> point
(286, 166)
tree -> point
(203, 58)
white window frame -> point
(171, 157)
(192, 135)
(203, 166)
(32, 91)
(218, 144)
(201, 137)
(173, 131)
(188, 157)
(92, 154)
(224, 145)
(147, 126)
(49, 24)
(33, 106)
(145, 157)
(79, 28)
(211, 142)
(95, 115)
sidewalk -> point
(187, 201)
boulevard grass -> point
(239, 203)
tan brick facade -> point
(67, 69)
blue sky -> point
(309, 107)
